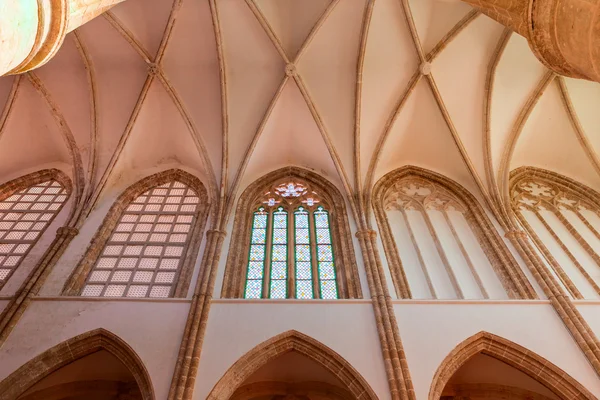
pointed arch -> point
(28, 205)
(284, 343)
(77, 280)
(502, 261)
(524, 360)
(347, 270)
(552, 209)
(72, 350)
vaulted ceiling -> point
(233, 89)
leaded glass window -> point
(23, 218)
(291, 234)
(144, 254)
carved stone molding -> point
(71, 350)
(75, 283)
(413, 187)
(347, 271)
(526, 361)
(285, 343)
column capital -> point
(366, 233)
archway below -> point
(98, 376)
(292, 376)
(484, 377)
(291, 366)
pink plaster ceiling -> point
(203, 85)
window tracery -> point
(291, 236)
(291, 239)
(147, 243)
(439, 242)
(27, 209)
(563, 219)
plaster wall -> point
(346, 326)
(3, 304)
(49, 322)
(431, 330)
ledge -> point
(110, 299)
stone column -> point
(34, 282)
(573, 320)
(563, 34)
(186, 368)
(396, 367)
(33, 30)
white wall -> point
(430, 331)
(235, 327)
(152, 328)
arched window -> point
(291, 253)
(292, 228)
(439, 242)
(148, 243)
(563, 219)
(27, 207)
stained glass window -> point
(143, 256)
(256, 262)
(304, 282)
(23, 218)
(308, 246)
(279, 261)
(327, 282)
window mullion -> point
(268, 251)
(314, 262)
(291, 253)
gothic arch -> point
(75, 283)
(233, 282)
(20, 184)
(504, 264)
(536, 195)
(526, 361)
(284, 343)
(71, 350)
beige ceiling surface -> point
(233, 89)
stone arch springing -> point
(76, 282)
(386, 193)
(346, 269)
(72, 350)
(524, 360)
(551, 208)
(284, 343)
(46, 191)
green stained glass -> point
(303, 270)
(328, 290)
(255, 270)
(326, 270)
(259, 236)
(256, 256)
(325, 259)
(279, 255)
(253, 289)
(279, 252)
(323, 236)
(278, 270)
(278, 289)
(302, 252)
(302, 236)
(257, 252)
(304, 282)
(324, 252)
(304, 290)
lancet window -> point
(563, 219)
(439, 243)
(24, 215)
(291, 251)
(148, 241)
